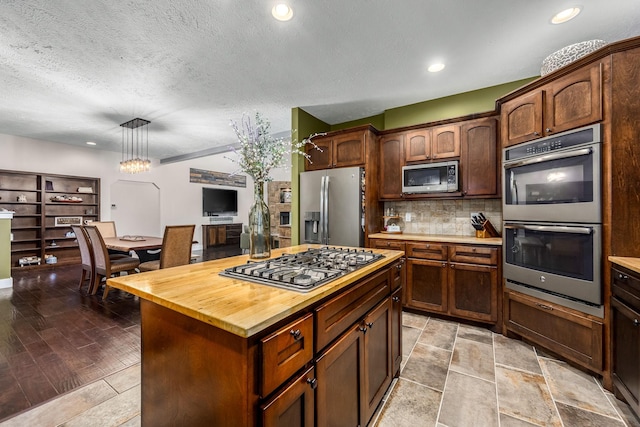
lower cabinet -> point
(226, 234)
(355, 371)
(294, 405)
(625, 335)
(569, 333)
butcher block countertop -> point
(628, 262)
(490, 241)
(237, 306)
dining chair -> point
(176, 248)
(86, 255)
(106, 228)
(104, 266)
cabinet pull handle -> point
(395, 299)
(399, 267)
(622, 276)
(636, 322)
(544, 306)
(444, 264)
(313, 383)
(369, 325)
(296, 334)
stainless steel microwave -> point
(441, 177)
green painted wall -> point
(477, 101)
(5, 248)
(303, 125)
(376, 121)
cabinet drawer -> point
(626, 287)
(565, 332)
(474, 254)
(427, 251)
(395, 245)
(286, 351)
(336, 315)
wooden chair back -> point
(101, 259)
(106, 228)
(86, 254)
(176, 245)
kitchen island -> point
(228, 352)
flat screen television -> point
(219, 201)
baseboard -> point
(6, 283)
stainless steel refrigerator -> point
(331, 209)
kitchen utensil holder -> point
(488, 230)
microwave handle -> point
(549, 157)
(551, 228)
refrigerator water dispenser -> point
(312, 227)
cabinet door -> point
(445, 142)
(294, 405)
(479, 159)
(391, 162)
(473, 292)
(427, 285)
(396, 331)
(377, 366)
(418, 145)
(348, 150)
(574, 100)
(221, 235)
(626, 351)
(340, 380)
(320, 158)
(521, 119)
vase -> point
(259, 224)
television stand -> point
(226, 234)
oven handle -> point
(551, 228)
(549, 157)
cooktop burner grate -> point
(303, 271)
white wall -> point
(180, 200)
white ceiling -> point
(72, 70)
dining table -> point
(143, 246)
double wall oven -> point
(552, 219)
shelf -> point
(53, 248)
(60, 238)
(69, 192)
(18, 203)
(17, 215)
(35, 227)
(15, 251)
(20, 190)
(25, 240)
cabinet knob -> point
(296, 334)
(395, 299)
(369, 325)
(536, 133)
(399, 267)
(636, 322)
(549, 130)
(312, 382)
(622, 276)
(363, 329)
(444, 264)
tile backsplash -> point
(448, 217)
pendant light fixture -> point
(135, 146)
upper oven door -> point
(558, 186)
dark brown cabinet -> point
(391, 163)
(427, 285)
(445, 142)
(625, 335)
(479, 158)
(474, 291)
(566, 103)
(294, 405)
(45, 206)
(227, 234)
(417, 146)
(337, 150)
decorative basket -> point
(568, 54)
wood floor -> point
(54, 338)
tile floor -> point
(452, 375)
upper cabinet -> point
(429, 144)
(337, 150)
(566, 103)
(391, 161)
(479, 159)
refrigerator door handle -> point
(326, 210)
(321, 225)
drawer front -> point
(626, 287)
(397, 275)
(338, 314)
(395, 245)
(567, 333)
(474, 254)
(427, 251)
(286, 351)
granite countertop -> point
(628, 262)
(490, 241)
(237, 306)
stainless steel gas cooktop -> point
(303, 271)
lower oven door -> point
(562, 259)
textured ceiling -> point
(71, 71)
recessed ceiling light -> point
(565, 15)
(91, 143)
(282, 12)
(434, 68)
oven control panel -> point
(560, 141)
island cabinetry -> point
(295, 405)
(391, 163)
(571, 334)
(625, 336)
(566, 103)
(46, 206)
(479, 158)
(339, 149)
